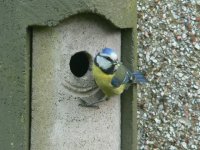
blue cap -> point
(108, 51)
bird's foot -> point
(107, 98)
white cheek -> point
(103, 63)
(114, 56)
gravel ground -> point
(169, 55)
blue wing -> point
(115, 82)
(122, 76)
(139, 77)
(125, 76)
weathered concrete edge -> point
(50, 13)
(129, 97)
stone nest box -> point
(51, 50)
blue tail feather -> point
(138, 77)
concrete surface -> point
(58, 123)
(16, 16)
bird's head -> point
(107, 60)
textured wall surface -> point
(16, 16)
(169, 53)
(58, 123)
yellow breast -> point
(104, 82)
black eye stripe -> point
(108, 58)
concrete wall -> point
(17, 19)
(58, 123)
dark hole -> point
(79, 63)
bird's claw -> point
(107, 98)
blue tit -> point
(111, 75)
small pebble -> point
(197, 46)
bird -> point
(111, 76)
